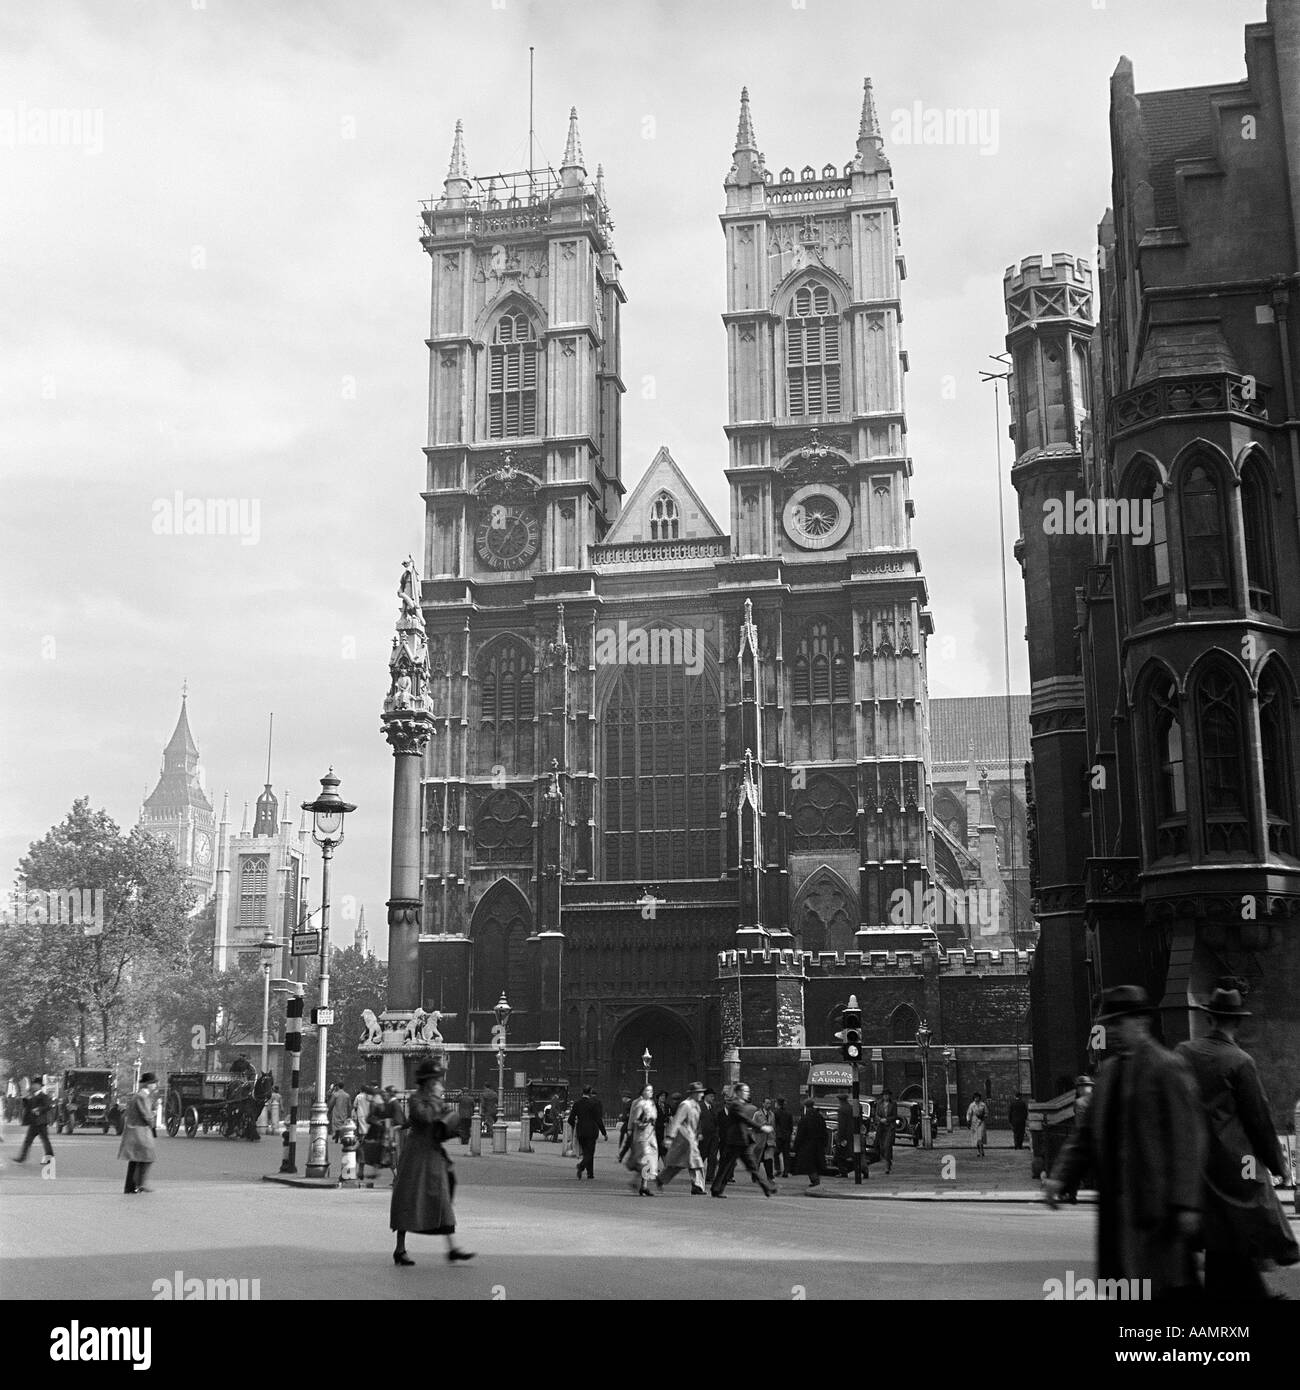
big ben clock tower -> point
(179, 811)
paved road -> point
(538, 1233)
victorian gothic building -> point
(1163, 616)
(663, 782)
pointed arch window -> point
(1151, 561)
(1220, 732)
(506, 709)
(512, 377)
(812, 348)
(1169, 773)
(662, 753)
(1205, 551)
(1258, 527)
(821, 688)
(665, 518)
(254, 889)
(1279, 773)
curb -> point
(292, 1180)
(896, 1195)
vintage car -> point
(88, 1100)
(547, 1103)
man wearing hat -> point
(683, 1136)
(1142, 1134)
(36, 1116)
(1244, 1221)
(588, 1121)
(138, 1136)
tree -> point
(357, 982)
(197, 1007)
(97, 977)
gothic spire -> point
(869, 125)
(459, 166)
(456, 186)
(745, 130)
(746, 159)
(573, 170)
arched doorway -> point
(675, 1064)
(498, 932)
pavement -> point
(537, 1232)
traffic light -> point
(851, 1036)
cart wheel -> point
(191, 1122)
(173, 1126)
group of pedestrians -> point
(1182, 1144)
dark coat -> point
(744, 1126)
(783, 1121)
(1142, 1134)
(1017, 1114)
(138, 1133)
(810, 1143)
(36, 1110)
(425, 1181)
(708, 1127)
(1243, 1216)
(588, 1119)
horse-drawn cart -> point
(227, 1102)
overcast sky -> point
(213, 285)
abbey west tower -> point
(644, 742)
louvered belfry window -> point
(512, 379)
(812, 353)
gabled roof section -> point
(663, 475)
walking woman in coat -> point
(977, 1114)
(138, 1136)
(426, 1180)
(643, 1155)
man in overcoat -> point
(682, 1134)
(588, 1122)
(1143, 1135)
(138, 1136)
(708, 1131)
(36, 1114)
(1244, 1222)
(741, 1125)
(1018, 1118)
(886, 1128)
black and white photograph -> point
(647, 599)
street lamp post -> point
(139, 1060)
(268, 947)
(949, 1060)
(923, 1036)
(646, 1059)
(502, 1010)
(328, 811)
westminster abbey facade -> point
(679, 767)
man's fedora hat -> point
(1122, 1001)
(696, 1087)
(1226, 1003)
(428, 1068)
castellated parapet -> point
(1064, 269)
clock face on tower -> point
(508, 537)
(817, 516)
(202, 849)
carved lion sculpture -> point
(373, 1034)
(415, 1028)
